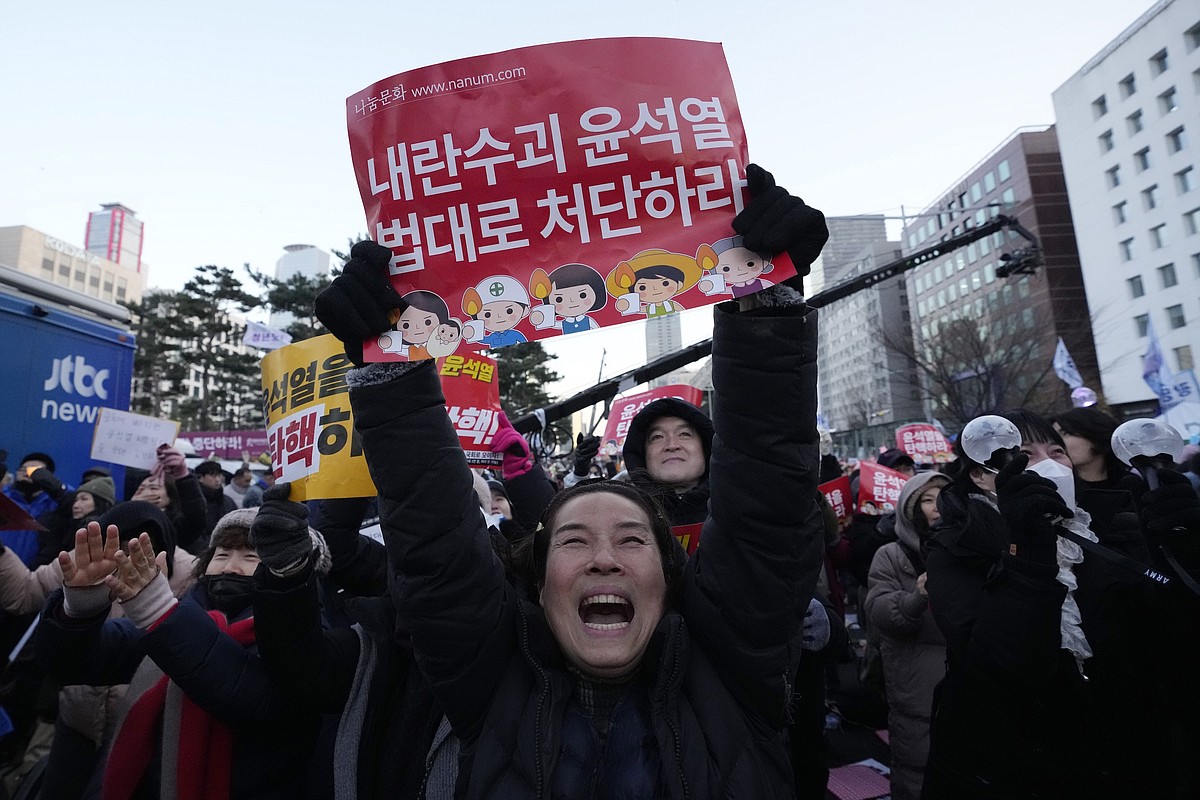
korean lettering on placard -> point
(475, 424)
(922, 442)
(1181, 389)
(886, 489)
(628, 412)
(298, 441)
(454, 366)
(438, 168)
(837, 501)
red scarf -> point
(205, 745)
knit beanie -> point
(244, 518)
(101, 489)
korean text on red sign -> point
(879, 488)
(624, 409)
(837, 494)
(552, 190)
(923, 442)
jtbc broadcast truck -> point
(65, 356)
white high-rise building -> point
(1127, 125)
(299, 259)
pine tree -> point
(294, 296)
(524, 375)
(228, 382)
(159, 366)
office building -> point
(43, 256)
(1127, 126)
(986, 342)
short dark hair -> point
(660, 271)
(208, 468)
(242, 471)
(1097, 428)
(36, 456)
(581, 275)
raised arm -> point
(750, 582)
(447, 584)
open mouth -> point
(606, 612)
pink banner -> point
(228, 444)
(624, 409)
(924, 443)
(553, 189)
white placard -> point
(130, 439)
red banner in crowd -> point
(688, 536)
(553, 189)
(878, 488)
(837, 494)
(924, 443)
(15, 518)
(228, 444)
(624, 409)
(472, 389)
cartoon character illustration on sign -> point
(647, 282)
(424, 329)
(568, 295)
(495, 305)
(732, 269)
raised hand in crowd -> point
(135, 569)
(95, 556)
(1029, 503)
(586, 448)
(509, 442)
(357, 303)
(279, 533)
(48, 482)
(775, 221)
(170, 463)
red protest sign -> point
(878, 488)
(837, 494)
(472, 389)
(923, 442)
(15, 518)
(553, 189)
(624, 409)
(688, 536)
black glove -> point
(356, 305)
(775, 221)
(1027, 503)
(279, 533)
(48, 482)
(586, 449)
(1163, 511)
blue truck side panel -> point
(59, 369)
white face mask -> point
(493, 520)
(1063, 477)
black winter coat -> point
(273, 739)
(1014, 717)
(718, 670)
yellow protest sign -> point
(310, 424)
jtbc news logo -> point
(74, 375)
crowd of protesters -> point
(542, 633)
